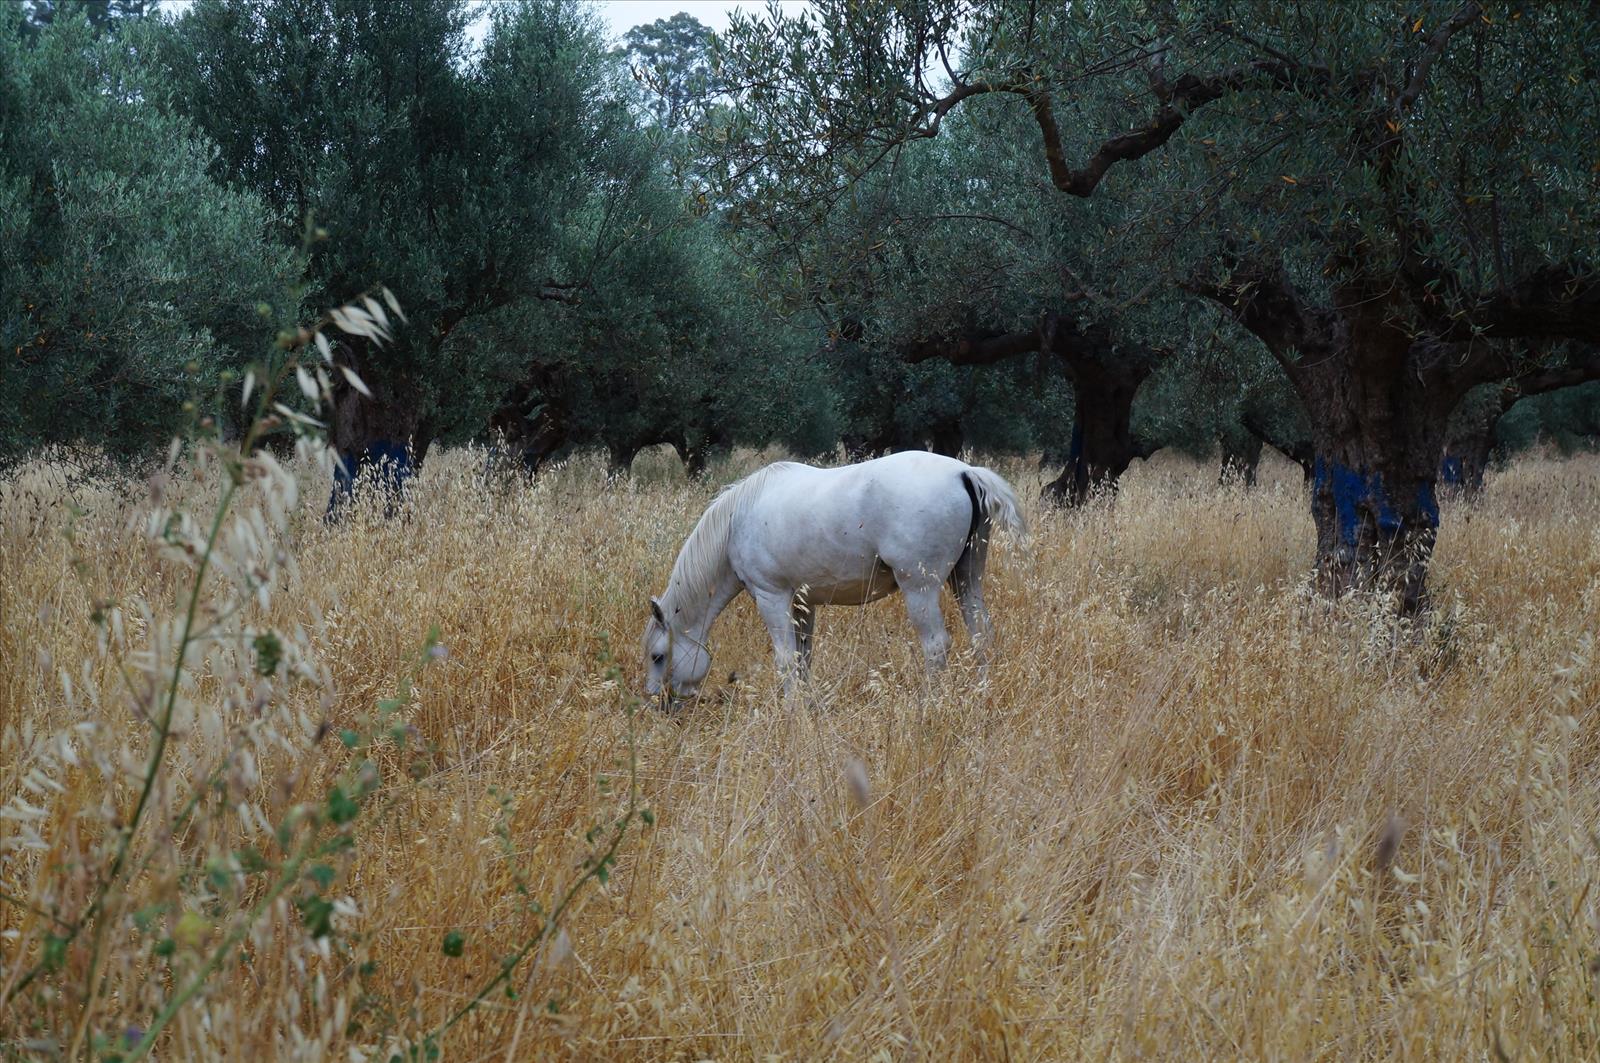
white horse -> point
(797, 537)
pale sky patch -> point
(623, 15)
(620, 15)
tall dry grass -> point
(1193, 813)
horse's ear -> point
(655, 608)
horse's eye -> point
(658, 658)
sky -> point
(623, 15)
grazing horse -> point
(797, 537)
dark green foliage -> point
(103, 16)
(891, 405)
(924, 220)
(1569, 420)
(450, 183)
(1489, 177)
(342, 806)
(317, 914)
(1350, 184)
(944, 223)
(509, 200)
(269, 653)
(129, 278)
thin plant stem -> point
(553, 920)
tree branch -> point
(1073, 342)
(994, 219)
(1177, 101)
(1056, 334)
(1553, 301)
(1541, 381)
(1299, 451)
(1521, 371)
(556, 292)
(1437, 42)
(1263, 301)
(975, 349)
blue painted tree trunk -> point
(384, 465)
(1377, 432)
(379, 438)
(1466, 456)
(1374, 531)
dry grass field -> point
(1194, 812)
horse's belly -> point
(854, 592)
(827, 544)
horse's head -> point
(672, 659)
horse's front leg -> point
(804, 618)
(922, 605)
(776, 608)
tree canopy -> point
(1394, 204)
(130, 279)
(1361, 232)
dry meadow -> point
(1191, 812)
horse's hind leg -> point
(922, 605)
(966, 582)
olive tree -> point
(130, 279)
(1347, 182)
(1396, 234)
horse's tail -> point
(993, 502)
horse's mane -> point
(706, 550)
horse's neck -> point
(695, 613)
(700, 601)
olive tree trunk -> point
(1103, 444)
(378, 440)
(1377, 443)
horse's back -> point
(835, 530)
(893, 488)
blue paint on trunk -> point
(1428, 503)
(1356, 489)
(391, 462)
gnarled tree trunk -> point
(1466, 458)
(382, 435)
(1240, 457)
(1378, 399)
(531, 423)
(947, 438)
(1379, 392)
(696, 454)
(1106, 375)
(1103, 445)
(1300, 451)
(620, 454)
(1466, 454)
(1377, 435)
